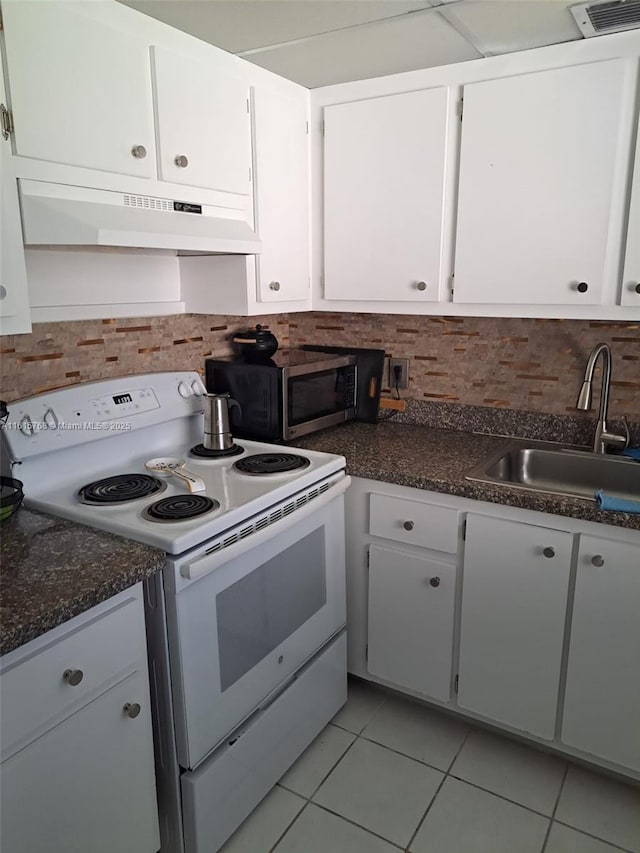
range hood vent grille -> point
(612, 16)
(146, 202)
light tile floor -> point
(388, 774)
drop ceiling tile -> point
(498, 26)
(420, 40)
(237, 25)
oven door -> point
(246, 617)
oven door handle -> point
(209, 562)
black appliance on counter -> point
(370, 364)
(291, 394)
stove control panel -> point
(124, 404)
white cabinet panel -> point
(203, 123)
(282, 195)
(602, 700)
(80, 90)
(536, 178)
(384, 190)
(631, 271)
(514, 600)
(14, 300)
(87, 784)
(411, 600)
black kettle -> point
(255, 344)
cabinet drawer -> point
(414, 523)
(35, 692)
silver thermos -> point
(217, 432)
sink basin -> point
(545, 467)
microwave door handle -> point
(207, 563)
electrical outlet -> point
(403, 378)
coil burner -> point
(271, 463)
(180, 508)
(120, 489)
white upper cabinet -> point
(282, 194)
(631, 272)
(203, 123)
(80, 89)
(537, 168)
(384, 187)
(14, 302)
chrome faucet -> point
(603, 438)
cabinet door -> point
(602, 700)
(88, 784)
(14, 303)
(536, 178)
(384, 181)
(514, 600)
(411, 600)
(631, 272)
(80, 90)
(203, 123)
(282, 195)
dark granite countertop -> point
(52, 570)
(437, 460)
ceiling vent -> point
(610, 16)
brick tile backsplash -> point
(529, 364)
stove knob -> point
(184, 390)
(50, 419)
(26, 425)
(197, 388)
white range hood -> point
(60, 215)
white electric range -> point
(246, 622)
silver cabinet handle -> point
(597, 560)
(73, 676)
(434, 582)
(274, 285)
(181, 161)
(421, 285)
(131, 709)
(139, 152)
(549, 552)
(408, 525)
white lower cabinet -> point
(77, 770)
(411, 600)
(514, 602)
(602, 700)
(518, 618)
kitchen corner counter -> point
(52, 570)
(437, 460)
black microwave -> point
(291, 394)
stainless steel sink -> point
(547, 467)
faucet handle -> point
(625, 423)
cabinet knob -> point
(139, 152)
(408, 525)
(636, 287)
(181, 161)
(3, 292)
(582, 287)
(131, 709)
(549, 552)
(597, 560)
(434, 582)
(421, 285)
(73, 676)
(274, 285)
